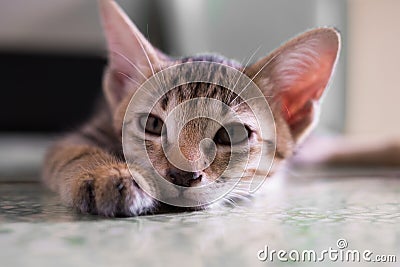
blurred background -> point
(52, 55)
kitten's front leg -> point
(109, 190)
(92, 181)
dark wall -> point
(47, 93)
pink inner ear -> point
(131, 57)
(309, 86)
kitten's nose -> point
(183, 178)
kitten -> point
(87, 167)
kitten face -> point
(192, 151)
(203, 141)
(197, 134)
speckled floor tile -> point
(297, 212)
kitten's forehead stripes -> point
(164, 102)
(193, 90)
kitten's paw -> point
(110, 191)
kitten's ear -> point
(296, 75)
(132, 58)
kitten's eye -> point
(151, 124)
(232, 134)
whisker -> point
(258, 72)
(134, 81)
(238, 73)
(147, 56)
(230, 201)
(241, 103)
(159, 65)
(239, 197)
(129, 78)
(135, 66)
(245, 66)
(131, 63)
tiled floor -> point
(303, 211)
